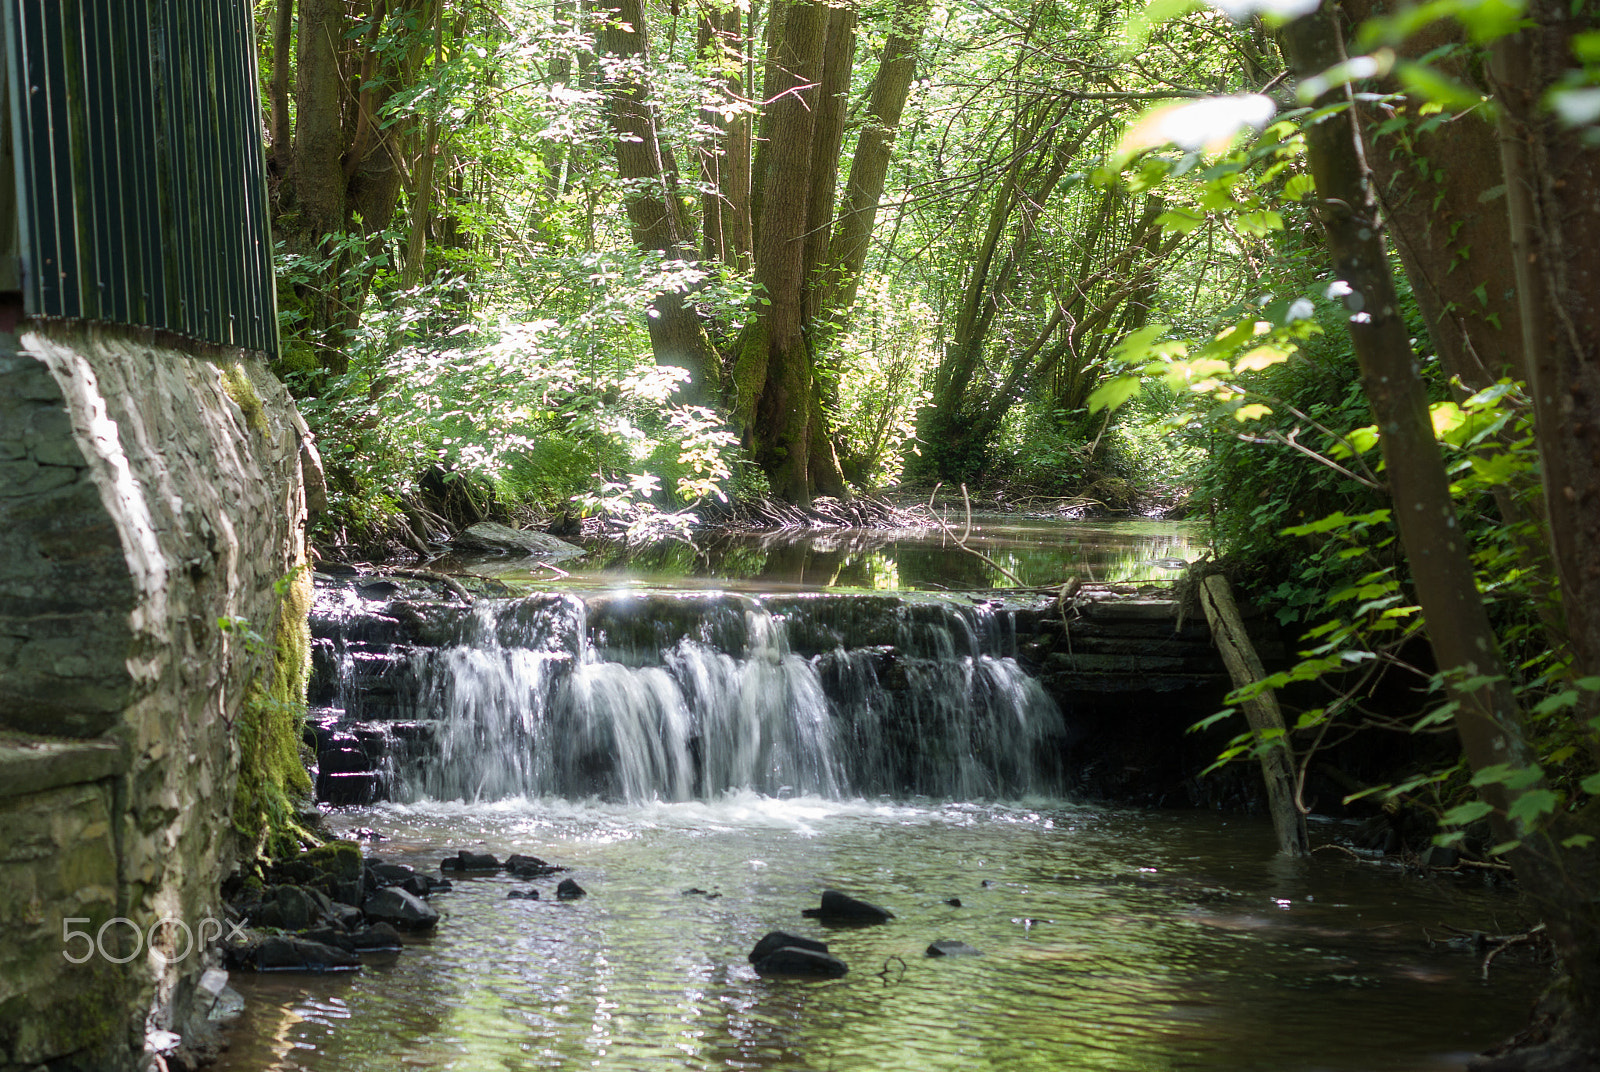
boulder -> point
(569, 890)
(773, 941)
(337, 937)
(499, 539)
(390, 874)
(469, 861)
(954, 902)
(335, 869)
(347, 916)
(523, 895)
(290, 908)
(378, 938)
(531, 866)
(793, 960)
(405, 911)
(949, 947)
(297, 954)
(841, 908)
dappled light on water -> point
(1112, 940)
(1039, 552)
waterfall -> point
(675, 696)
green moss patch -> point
(271, 776)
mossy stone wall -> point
(152, 667)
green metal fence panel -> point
(141, 181)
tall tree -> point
(1557, 858)
(776, 389)
(338, 170)
(655, 216)
(869, 164)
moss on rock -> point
(271, 776)
(236, 382)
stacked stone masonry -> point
(146, 496)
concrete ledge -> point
(34, 764)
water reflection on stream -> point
(1037, 551)
(1114, 940)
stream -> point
(709, 737)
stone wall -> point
(152, 520)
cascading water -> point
(673, 696)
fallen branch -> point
(437, 578)
(1530, 935)
(961, 543)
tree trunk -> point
(725, 159)
(422, 191)
(677, 337)
(1266, 721)
(1559, 881)
(773, 374)
(869, 165)
(827, 138)
(282, 72)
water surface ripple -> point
(1113, 939)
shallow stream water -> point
(1111, 939)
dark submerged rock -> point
(523, 895)
(298, 954)
(531, 866)
(954, 902)
(949, 947)
(390, 874)
(773, 941)
(793, 960)
(334, 869)
(569, 890)
(378, 938)
(404, 910)
(290, 908)
(841, 908)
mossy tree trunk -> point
(677, 336)
(1554, 240)
(778, 402)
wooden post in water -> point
(1244, 666)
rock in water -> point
(842, 908)
(378, 938)
(793, 960)
(949, 947)
(776, 940)
(500, 539)
(523, 895)
(297, 954)
(469, 861)
(569, 890)
(404, 910)
(531, 866)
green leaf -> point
(1299, 186)
(1114, 392)
(1462, 814)
(1591, 785)
(1528, 807)
(1577, 841)
(1179, 222)
(1211, 720)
